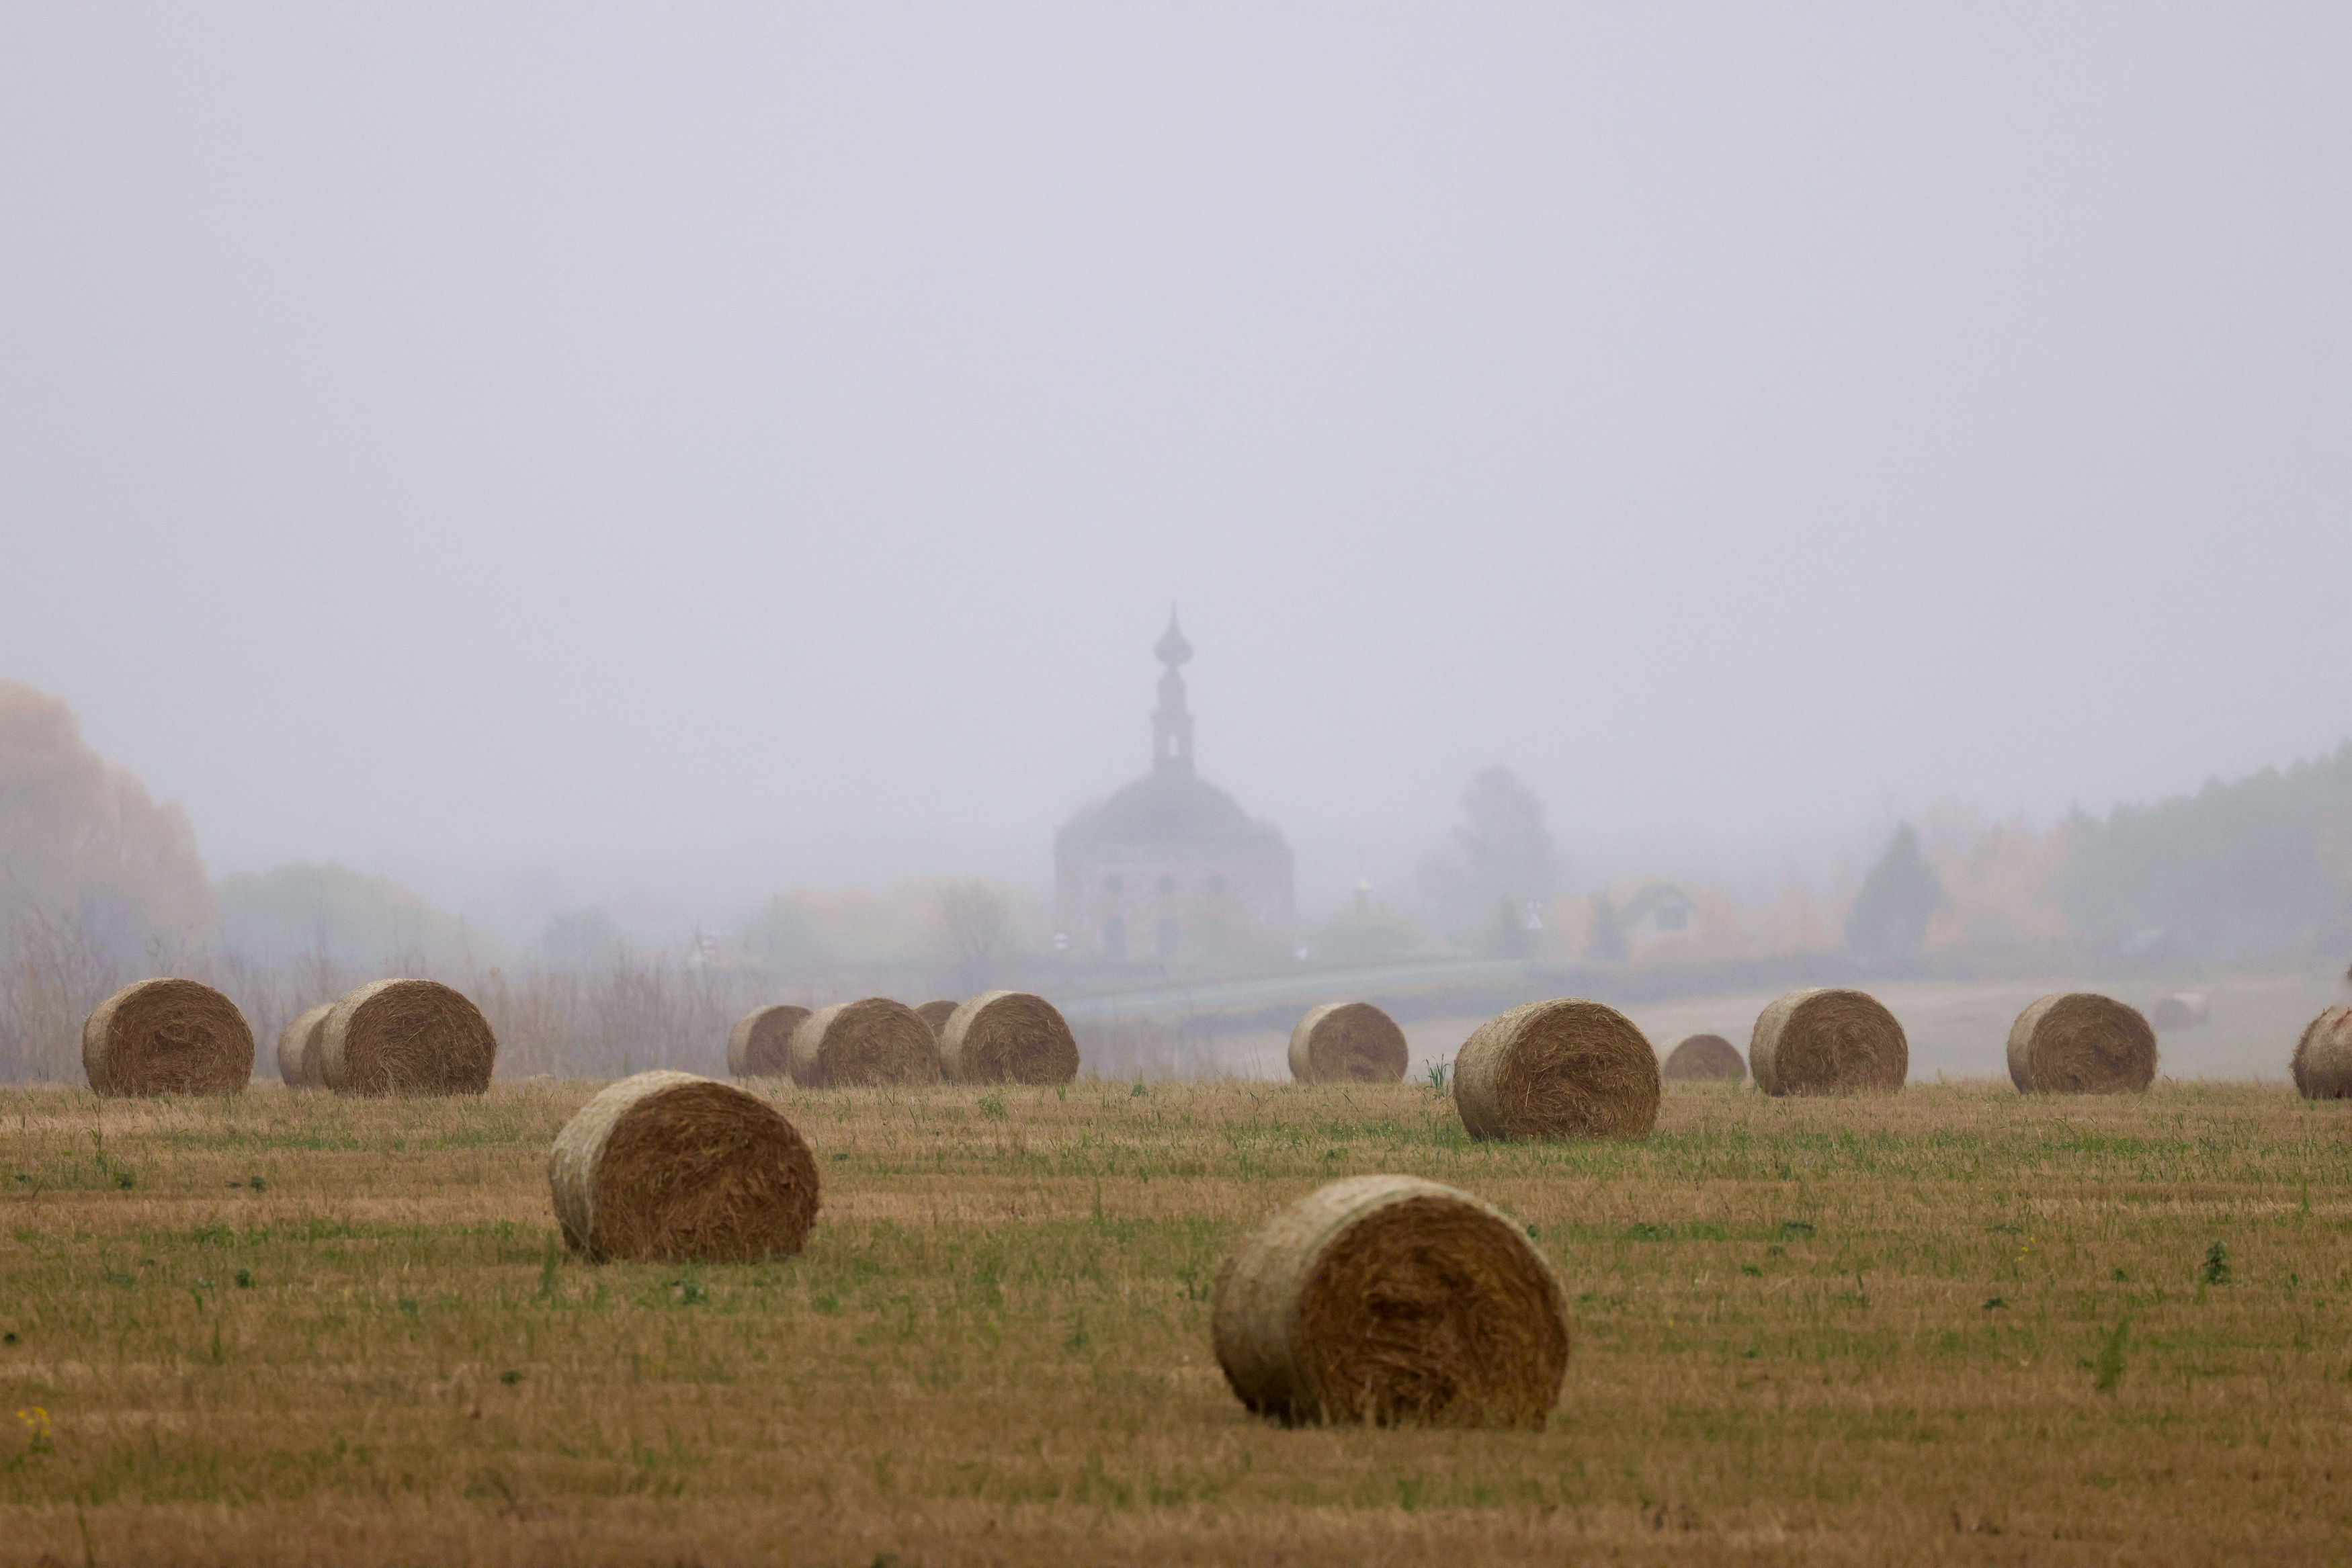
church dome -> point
(1171, 868)
(1170, 809)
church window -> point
(1167, 938)
(1115, 937)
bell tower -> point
(1171, 726)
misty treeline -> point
(100, 886)
(618, 1012)
(2254, 871)
(616, 1018)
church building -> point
(1170, 869)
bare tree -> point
(975, 930)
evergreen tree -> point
(1502, 853)
(1608, 945)
(1890, 916)
(2254, 867)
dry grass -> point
(1949, 1326)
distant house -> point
(1660, 909)
(1170, 869)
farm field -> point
(1951, 1326)
(1957, 1028)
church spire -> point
(1171, 727)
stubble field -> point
(1948, 1327)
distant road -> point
(1307, 986)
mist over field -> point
(1043, 783)
(682, 503)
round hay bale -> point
(167, 1036)
(1347, 1042)
(297, 1048)
(1828, 1042)
(1389, 1299)
(405, 1038)
(1008, 1037)
(2077, 1043)
(1703, 1058)
(1564, 1069)
(2323, 1057)
(760, 1043)
(669, 1167)
(876, 1040)
(937, 1014)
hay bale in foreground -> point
(2078, 1042)
(167, 1036)
(937, 1014)
(1563, 1069)
(669, 1167)
(406, 1037)
(1389, 1299)
(1828, 1041)
(1008, 1037)
(876, 1041)
(297, 1048)
(1703, 1058)
(2323, 1057)
(760, 1043)
(1347, 1042)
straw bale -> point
(876, 1041)
(406, 1037)
(2077, 1043)
(676, 1168)
(1008, 1037)
(760, 1043)
(937, 1014)
(1703, 1058)
(1562, 1069)
(1347, 1042)
(1828, 1041)
(2323, 1057)
(167, 1036)
(297, 1048)
(1389, 1299)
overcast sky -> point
(479, 435)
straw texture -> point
(2323, 1057)
(673, 1168)
(1703, 1058)
(760, 1043)
(1563, 1069)
(297, 1048)
(876, 1041)
(406, 1037)
(1389, 1299)
(1347, 1042)
(1828, 1042)
(2077, 1043)
(166, 1036)
(1008, 1037)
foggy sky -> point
(495, 436)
